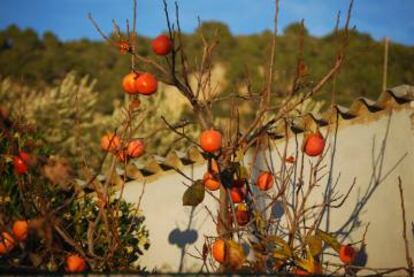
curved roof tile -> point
(389, 99)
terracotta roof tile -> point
(389, 99)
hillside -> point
(43, 60)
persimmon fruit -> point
(110, 142)
(162, 45)
(6, 243)
(218, 250)
(129, 83)
(242, 214)
(265, 181)
(25, 156)
(75, 263)
(238, 194)
(210, 182)
(20, 165)
(135, 148)
(347, 254)
(314, 144)
(210, 140)
(146, 84)
(20, 229)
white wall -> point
(358, 144)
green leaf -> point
(330, 239)
(194, 194)
(315, 245)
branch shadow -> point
(184, 238)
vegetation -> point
(40, 61)
(51, 222)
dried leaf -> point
(260, 223)
(315, 245)
(283, 250)
(239, 155)
(308, 264)
(36, 259)
(244, 173)
(194, 194)
(258, 247)
(280, 254)
(58, 171)
(291, 159)
(329, 239)
(235, 255)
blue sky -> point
(67, 18)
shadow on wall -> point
(377, 177)
(182, 239)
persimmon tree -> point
(297, 244)
(225, 145)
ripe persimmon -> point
(264, 181)
(314, 144)
(135, 148)
(347, 254)
(210, 182)
(219, 250)
(110, 142)
(238, 194)
(210, 140)
(20, 165)
(6, 243)
(20, 229)
(129, 83)
(242, 214)
(162, 45)
(146, 84)
(25, 156)
(75, 263)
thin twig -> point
(404, 232)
